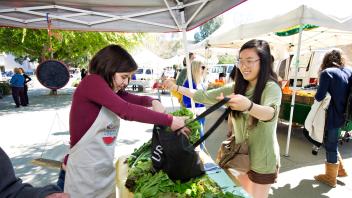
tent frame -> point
(110, 17)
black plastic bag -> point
(175, 155)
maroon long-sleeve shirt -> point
(93, 92)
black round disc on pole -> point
(53, 74)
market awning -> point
(112, 15)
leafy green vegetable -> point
(193, 126)
(144, 183)
(142, 153)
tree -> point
(72, 47)
(208, 28)
(226, 59)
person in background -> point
(83, 73)
(101, 100)
(13, 187)
(255, 99)
(134, 87)
(199, 72)
(334, 79)
(182, 76)
(17, 86)
(26, 80)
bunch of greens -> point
(145, 183)
(134, 174)
(193, 126)
(142, 153)
(159, 185)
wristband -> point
(250, 107)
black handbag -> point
(175, 155)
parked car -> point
(144, 78)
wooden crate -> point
(304, 100)
(298, 99)
(286, 97)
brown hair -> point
(333, 58)
(17, 70)
(110, 60)
(21, 70)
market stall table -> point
(224, 179)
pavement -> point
(41, 130)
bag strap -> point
(216, 124)
(213, 127)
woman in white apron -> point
(97, 106)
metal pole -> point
(294, 90)
(188, 64)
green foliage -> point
(5, 88)
(143, 153)
(72, 47)
(193, 126)
(227, 59)
(208, 28)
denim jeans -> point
(331, 144)
(61, 179)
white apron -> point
(90, 171)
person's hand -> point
(58, 195)
(169, 84)
(157, 106)
(179, 122)
(237, 102)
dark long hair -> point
(110, 60)
(332, 58)
(265, 73)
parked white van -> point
(144, 74)
(144, 78)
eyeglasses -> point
(246, 62)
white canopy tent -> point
(333, 18)
(112, 15)
(265, 29)
(153, 60)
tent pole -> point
(188, 64)
(294, 90)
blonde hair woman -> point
(198, 71)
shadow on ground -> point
(302, 190)
(300, 150)
(38, 175)
(36, 97)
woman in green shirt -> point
(255, 101)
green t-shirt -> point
(264, 152)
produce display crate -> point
(308, 100)
(304, 100)
(299, 114)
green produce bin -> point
(299, 114)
